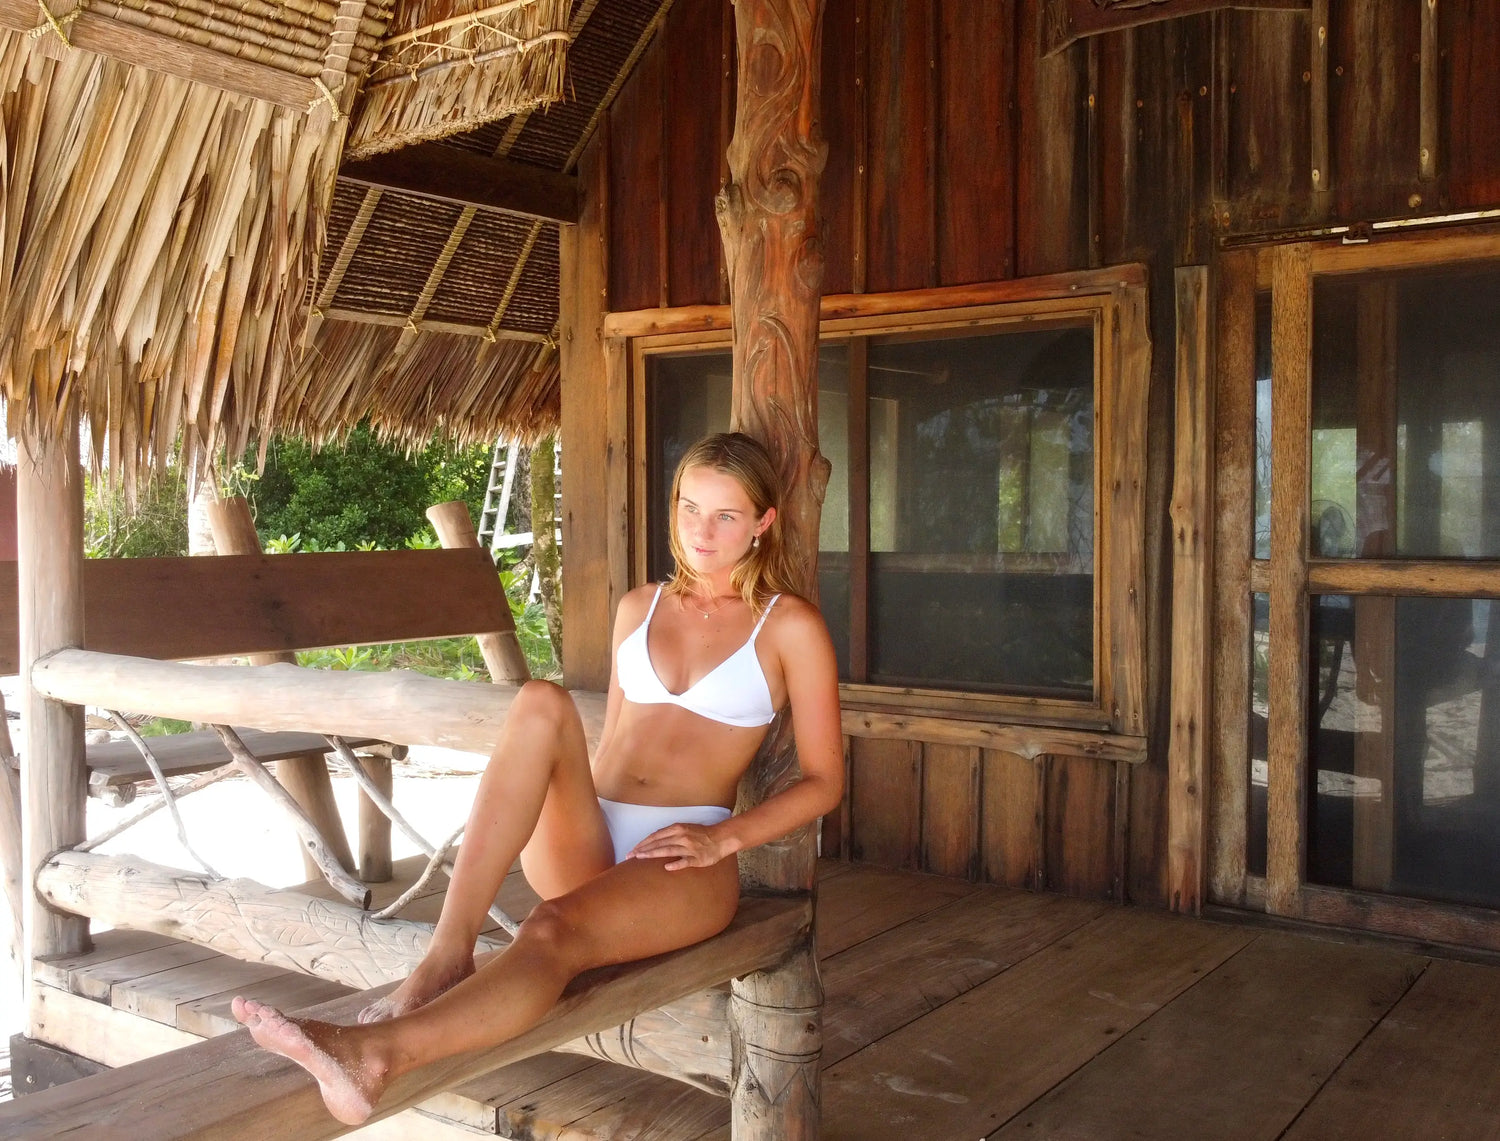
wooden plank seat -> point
(114, 764)
(225, 1087)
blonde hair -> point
(763, 571)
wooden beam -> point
(254, 604)
(836, 307)
(1067, 21)
(133, 44)
(459, 177)
(1291, 412)
(390, 706)
(54, 779)
(1028, 741)
(1192, 627)
(456, 328)
(1234, 509)
(225, 1088)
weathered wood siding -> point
(960, 153)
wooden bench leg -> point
(374, 825)
(306, 778)
(776, 1020)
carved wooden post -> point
(306, 778)
(54, 777)
(768, 219)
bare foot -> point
(431, 978)
(350, 1084)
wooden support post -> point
(375, 825)
(768, 219)
(1291, 415)
(306, 778)
(501, 648)
(54, 779)
(1192, 635)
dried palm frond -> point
(471, 389)
(451, 65)
(157, 234)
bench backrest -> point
(229, 605)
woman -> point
(632, 854)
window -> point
(965, 559)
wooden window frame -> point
(1115, 301)
(1292, 577)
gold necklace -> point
(707, 614)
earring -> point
(755, 543)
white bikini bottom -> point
(629, 824)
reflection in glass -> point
(1406, 415)
(1260, 708)
(1404, 746)
(1263, 426)
(982, 511)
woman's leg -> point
(537, 781)
(631, 911)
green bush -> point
(155, 526)
(362, 492)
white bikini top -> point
(734, 692)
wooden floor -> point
(957, 1011)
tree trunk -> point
(768, 219)
(54, 779)
(544, 538)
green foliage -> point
(163, 727)
(361, 494)
(155, 526)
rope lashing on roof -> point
(58, 24)
(324, 95)
(406, 73)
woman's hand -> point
(685, 846)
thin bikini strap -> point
(654, 600)
(754, 633)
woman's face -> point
(716, 521)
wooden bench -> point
(771, 1014)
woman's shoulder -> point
(634, 604)
(793, 615)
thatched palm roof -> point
(176, 252)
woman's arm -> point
(810, 670)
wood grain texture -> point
(50, 594)
(634, 197)
(950, 810)
(1375, 101)
(1267, 167)
(1291, 413)
(869, 900)
(1272, 1024)
(885, 802)
(1040, 1020)
(1417, 1071)
(1021, 739)
(842, 188)
(1470, 100)
(895, 978)
(1051, 150)
(1012, 851)
(901, 214)
(1080, 856)
(975, 192)
(1192, 621)
(1234, 522)
(588, 477)
(247, 604)
(691, 152)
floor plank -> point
(1238, 1055)
(108, 945)
(865, 901)
(1429, 1070)
(288, 992)
(904, 973)
(128, 971)
(159, 996)
(976, 1061)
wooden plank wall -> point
(960, 153)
